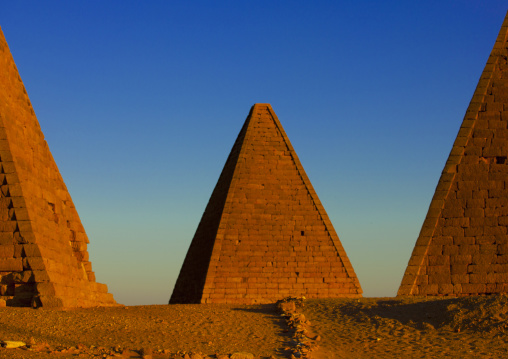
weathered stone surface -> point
(264, 234)
(42, 239)
(462, 245)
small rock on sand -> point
(146, 353)
(242, 355)
(288, 307)
(12, 344)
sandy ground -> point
(208, 329)
(472, 327)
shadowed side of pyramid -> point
(190, 283)
(43, 245)
(462, 248)
(264, 234)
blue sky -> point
(140, 103)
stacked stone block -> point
(264, 234)
(43, 245)
(462, 248)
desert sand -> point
(467, 327)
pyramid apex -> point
(262, 105)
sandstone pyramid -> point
(43, 246)
(264, 234)
(462, 248)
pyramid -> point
(264, 234)
(43, 246)
(462, 248)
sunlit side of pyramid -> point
(43, 246)
(264, 234)
(462, 248)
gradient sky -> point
(140, 103)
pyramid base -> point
(453, 290)
(20, 289)
(257, 299)
(268, 300)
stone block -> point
(474, 212)
(445, 289)
(453, 212)
(469, 249)
(473, 288)
(486, 239)
(439, 278)
(479, 268)
(461, 259)
(501, 277)
(32, 250)
(46, 289)
(11, 265)
(438, 269)
(430, 289)
(23, 277)
(435, 249)
(439, 260)
(470, 240)
(488, 248)
(6, 251)
(6, 238)
(502, 249)
(459, 278)
(450, 250)
(478, 278)
(7, 226)
(484, 258)
(40, 276)
(47, 301)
